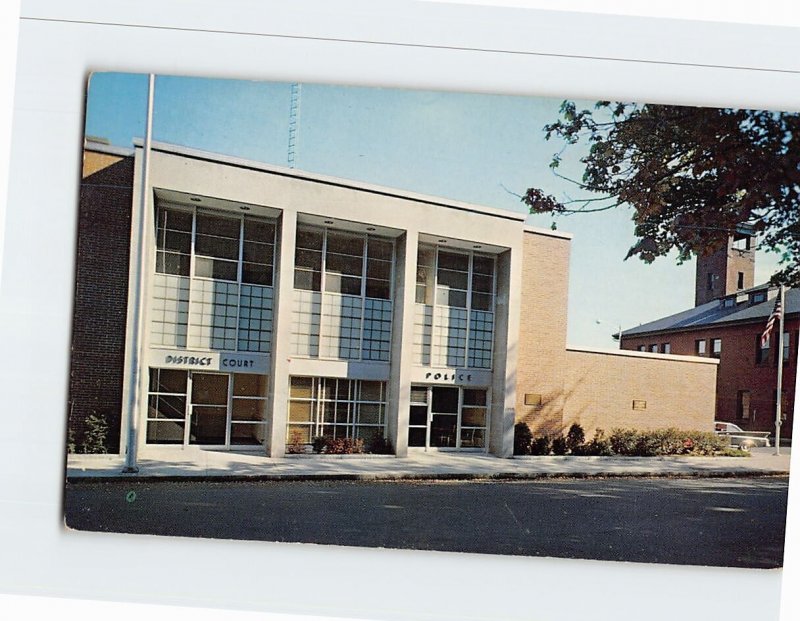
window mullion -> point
(364, 255)
(492, 310)
(191, 277)
(351, 409)
(323, 265)
(240, 267)
(470, 272)
(240, 274)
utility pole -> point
(132, 407)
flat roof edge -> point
(108, 149)
(549, 232)
(643, 354)
(230, 160)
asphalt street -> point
(737, 522)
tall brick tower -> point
(728, 270)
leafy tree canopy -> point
(691, 175)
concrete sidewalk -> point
(193, 463)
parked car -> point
(740, 438)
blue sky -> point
(478, 148)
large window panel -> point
(454, 327)
(167, 406)
(351, 318)
(345, 243)
(227, 304)
(453, 261)
(174, 241)
(258, 252)
(335, 408)
(426, 260)
(218, 225)
(344, 264)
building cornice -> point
(535, 230)
(282, 171)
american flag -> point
(775, 316)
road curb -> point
(408, 477)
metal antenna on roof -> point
(294, 123)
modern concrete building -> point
(253, 307)
(726, 324)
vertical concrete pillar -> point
(504, 363)
(402, 347)
(278, 399)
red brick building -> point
(726, 323)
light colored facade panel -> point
(399, 388)
(278, 398)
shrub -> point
(344, 446)
(522, 439)
(296, 445)
(71, 444)
(600, 445)
(94, 439)
(672, 441)
(575, 437)
(623, 441)
(559, 446)
(665, 442)
(648, 444)
(707, 443)
(381, 446)
(318, 443)
(540, 446)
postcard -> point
(429, 320)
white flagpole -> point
(779, 395)
(135, 370)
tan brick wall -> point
(739, 370)
(601, 387)
(543, 331)
(94, 161)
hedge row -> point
(628, 442)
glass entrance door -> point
(208, 413)
(447, 417)
(444, 417)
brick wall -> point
(725, 264)
(101, 294)
(738, 370)
(543, 331)
(593, 389)
(601, 387)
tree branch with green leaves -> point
(691, 175)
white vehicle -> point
(740, 438)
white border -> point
(47, 134)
